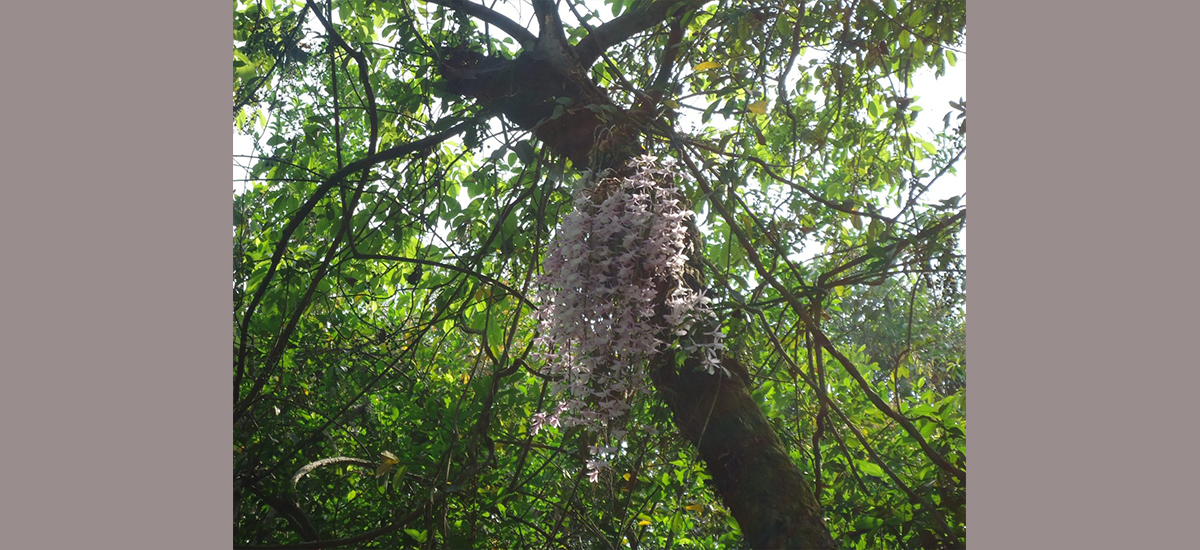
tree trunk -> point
(566, 111)
(750, 467)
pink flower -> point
(624, 240)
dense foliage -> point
(393, 266)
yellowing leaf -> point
(643, 523)
(626, 476)
(694, 507)
(758, 107)
(706, 66)
(385, 464)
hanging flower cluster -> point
(623, 245)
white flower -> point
(594, 467)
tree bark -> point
(564, 109)
(751, 469)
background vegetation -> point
(390, 237)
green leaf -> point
(525, 152)
(867, 522)
(398, 477)
(420, 536)
(709, 111)
(916, 17)
(869, 468)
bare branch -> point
(819, 336)
(487, 15)
(246, 93)
(290, 510)
(625, 26)
(301, 213)
(450, 267)
(333, 461)
(363, 73)
(397, 523)
(827, 402)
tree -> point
(412, 367)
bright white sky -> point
(933, 95)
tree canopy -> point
(597, 274)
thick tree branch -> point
(547, 18)
(552, 46)
(487, 15)
(667, 65)
(332, 461)
(628, 24)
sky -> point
(935, 97)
